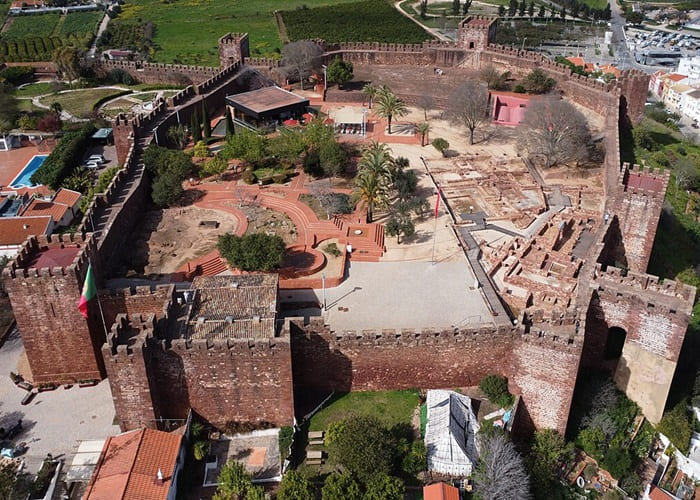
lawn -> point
(80, 102)
(364, 21)
(34, 89)
(390, 407)
(187, 31)
(79, 23)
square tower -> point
(44, 284)
(476, 32)
(233, 48)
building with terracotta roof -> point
(672, 98)
(690, 104)
(142, 464)
(228, 307)
(14, 231)
(62, 207)
(508, 108)
(440, 491)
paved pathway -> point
(54, 421)
(100, 30)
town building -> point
(265, 106)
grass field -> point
(80, 102)
(43, 25)
(187, 31)
(363, 21)
(390, 407)
(34, 89)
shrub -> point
(279, 178)
(201, 150)
(285, 438)
(675, 425)
(332, 249)
(618, 462)
(537, 82)
(167, 189)
(519, 89)
(248, 176)
(64, 158)
(312, 164)
(496, 389)
(441, 145)
(252, 252)
(200, 450)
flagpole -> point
(97, 294)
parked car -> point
(96, 158)
(91, 164)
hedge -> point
(64, 158)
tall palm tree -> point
(370, 92)
(389, 105)
(376, 160)
(371, 189)
(423, 129)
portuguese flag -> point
(89, 292)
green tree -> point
(166, 189)
(295, 486)
(455, 7)
(400, 225)
(537, 82)
(177, 134)
(634, 17)
(79, 180)
(541, 12)
(512, 8)
(501, 11)
(373, 190)
(363, 446)
(423, 8)
(13, 485)
(618, 462)
(390, 106)
(465, 7)
(206, 120)
(340, 486)
(246, 145)
(521, 8)
(8, 112)
(384, 487)
(339, 71)
(496, 389)
(423, 129)
(67, 61)
(370, 92)
(252, 252)
(234, 482)
(195, 127)
(547, 453)
(593, 441)
(332, 158)
(531, 9)
(675, 425)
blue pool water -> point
(22, 179)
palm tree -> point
(423, 129)
(390, 106)
(371, 189)
(370, 92)
(376, 160)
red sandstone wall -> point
(246, 382)
(385, 360)
(153, 73)
(141, 301)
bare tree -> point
(501, 474)
(426, 103)
(301, 58)
(555, 131)
(493, 78)
(468, 106)
(322, 191)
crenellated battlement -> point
(24, 264)
(128, 335)
(642, 179)
(217, 78)
(564, 328)
(638, 282)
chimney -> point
(25, 226)
(159, 476)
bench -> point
(314, 455)
(27, 398)
(316, 437)
(314, 462)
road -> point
(100, 30)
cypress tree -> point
(206, 121)
(196, 127)
(230, 129)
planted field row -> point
(127, 35)
(38, 48)
(364, 21)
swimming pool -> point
(23, 178)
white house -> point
(672, 99)
(450, 434)
(690, 104)
(690, 66)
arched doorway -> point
(614, 343)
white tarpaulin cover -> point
(347, 115)
(85, 461)
(450, 434)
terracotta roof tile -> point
(67, 197)
(676, 77)
(39, 207)
(129, 464)
(440, 491)
(14, 232)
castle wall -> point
(128, 367)
(61, 345)
(156, 73)
(139, 301)
(655, 317)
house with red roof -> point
(14, 231)
(440, 491)
(62, 207)
(142, 464)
